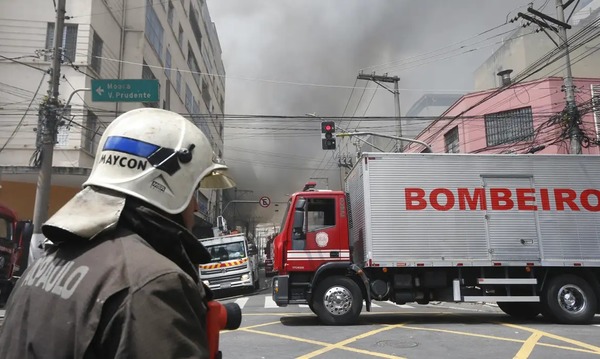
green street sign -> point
(132, 90)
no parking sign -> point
(264, 201)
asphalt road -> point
(439, 330)
(444, 330)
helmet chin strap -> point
(132, 202)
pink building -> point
(523, 118)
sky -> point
(285, 59)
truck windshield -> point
(5, 228)
(285, 213)
(227, 251)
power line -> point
(18, 126)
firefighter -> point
(121, 276)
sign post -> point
(133, 90)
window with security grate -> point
(509, 126)
(596, 108)
(451, 141)
(69, 42)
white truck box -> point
(423, 210)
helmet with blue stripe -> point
(157, 156)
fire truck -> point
(15, 237)
(522, 231)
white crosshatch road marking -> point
(241, 301)
(269, 302)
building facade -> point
(525, 46)
(172, 41)
(526, 118)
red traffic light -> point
(327, 127)
(328, 135)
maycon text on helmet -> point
(123, 161)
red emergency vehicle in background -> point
(519, 230)
(15, 237)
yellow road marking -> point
(500, 338)
(464, 333)
(283, 336)
(524, 352)
(590, 347)
(330, 346)
(342, 344)
(528, 346)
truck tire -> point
(521, 310)
(569, 299)
(338, 301)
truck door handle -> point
(334, 254)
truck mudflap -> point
(361, 274)
(280, 290)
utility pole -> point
(50, 112)
(568, 80)
(561, 30)
(395, 79)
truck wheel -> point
(520, 310)
(312, 307)
(569, 299)
(338, 301)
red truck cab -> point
(314, 232)
(313, 244)
(15, 237)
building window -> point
(147, 74)
(451, 141)
(194, 68)
(91, 133)
(194, 21)
(168, 64)
(170, 14)
(509, 126)
(189, 100)
(97, 45)
(69, 41)
(180, 37)
(205, 93)
(178, 82)
(154, 30)
(200, 121)
(596, 107)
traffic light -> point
(328, 135)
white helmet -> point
(157, 156)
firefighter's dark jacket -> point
(133, 292)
